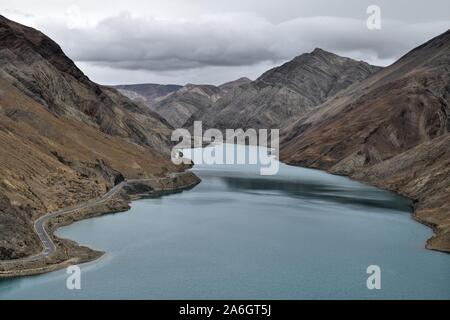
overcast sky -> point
(208, 41)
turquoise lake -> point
(299, 234)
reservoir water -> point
(299, 234)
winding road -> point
(48, 245)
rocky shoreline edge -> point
(69, 252)
(433, 218)
(440, 241)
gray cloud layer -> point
(128, 42)
(212, 41)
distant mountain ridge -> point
(286, 91)
(182, 103)
(147, 92)
(277, 95)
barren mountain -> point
(64, 139)
(178, 107)
(286, 91)
(231, 85)
(148, 93)
(392, 130)
(191, 102)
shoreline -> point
(416, 203)
(435, 227)
(68, 252)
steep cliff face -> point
(63, 138)
(391, 130)
(290, 90)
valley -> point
(73, 149)
(385, 126)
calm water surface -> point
(238, 235)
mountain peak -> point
(315, 55)
(243, 79)
(28, 43)
(325, 67)
(321, 51)
(227, 86)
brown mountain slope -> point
(63, 138)
(286, 91)
(391, 130)
(38, 67)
